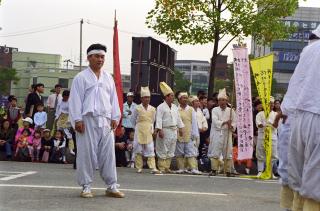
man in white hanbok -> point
(223, 124)
(168, 122)
(302, 101)
(94, 113)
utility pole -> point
(81, 23)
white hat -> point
(145, 92)
(193, 98)
(28, 119)
(223, 94)
(130, 94)
(272, 99)
(317, 31)
(181, 94)
(165, 89)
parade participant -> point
(94, 113)
(262, 123)
(301, 102)
(128, 108)
(186, 148)
(223, 124)
(168, 122)
(52, 103)
(143, 118)
(201, 120)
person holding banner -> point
(143, 118)
(94, 113)
(223, 124)
(186, 149)
(262, 123)
(168, 122)
(302, 103)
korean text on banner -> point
(244, 103)
(262, 72)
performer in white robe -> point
(262, 123)
(302, 101)
(143, 119)
(168, 122)
(186, 149)
(94, 113)
(223, 124)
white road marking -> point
(11, 177)
(11, 172)
(126, 190)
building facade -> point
(287, 52)
(198, 72)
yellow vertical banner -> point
(262, 69)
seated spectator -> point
(13, 114)
(40, 117)
(6, 138)
(58, 148)
(120, 148)
(46, 146)
(22, 150)
(27, 122)
(129, 152)
(36, 146)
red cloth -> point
(117, 72)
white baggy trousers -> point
(95, 150)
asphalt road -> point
(37, 186)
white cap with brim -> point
(28, 119)
(130, 94)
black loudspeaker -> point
(152, 62)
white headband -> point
(101, 52)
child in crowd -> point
(40, 117)
(46, 146)
(129, 152)
(36, 146)
(13, 113)
(22, 144)
(120, 148)
(62, 118)
(58, 148)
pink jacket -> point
(19, 132)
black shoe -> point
(230, 174)
(213, 173)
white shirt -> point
(62, 107)
(261, 120)
(220, 116)
(194, 127)
(92, 95)
(40, 118)
(168, 117)
(57, 142)
(52, 99)
(206, 113)
(304, 91)
(126, 119)
(201, 119)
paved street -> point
(33, 186)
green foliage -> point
(181, 84)
(210, 21)
(6, 76)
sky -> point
(25, 16)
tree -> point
(210, 21)
(6, 76)
(181, 84)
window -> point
(34, 80)
(64, 82)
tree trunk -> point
(213, 65)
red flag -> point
(116, 71)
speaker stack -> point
(152, 62)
